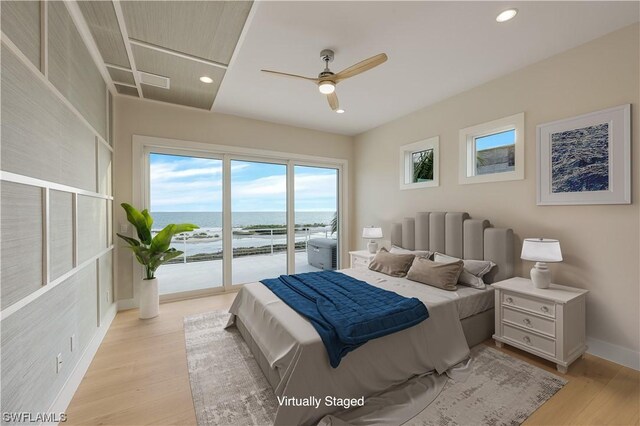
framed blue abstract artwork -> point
(585, 159)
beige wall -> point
(600, 243)
(137, 117)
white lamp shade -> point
(371, 233)
(541, 250)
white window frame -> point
(406, 163)
(467, 151)
(143, 145)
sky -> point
(195, 185)
(497, 139)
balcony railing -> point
(257, 241)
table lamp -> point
(541, 251)
(372, 234)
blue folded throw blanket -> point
(345, 311)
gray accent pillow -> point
(441, 275)
(473, 271)
(419, 253)
(395, 265)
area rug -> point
(501, 390)
(228, 387)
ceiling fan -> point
(327, 80)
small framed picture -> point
(585, 159)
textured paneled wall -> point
(72, 70)
(56, 273)
(34, 335)
(40, 137)
(21, 22)
(21, 234)
(61, 233)
(92, 227)
(105, 266)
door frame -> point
(142, 145)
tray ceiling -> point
(436, 50)
(181, 40)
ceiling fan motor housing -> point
(327, 55)
(325, 75)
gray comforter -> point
(293, 348)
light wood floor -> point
(139, 377)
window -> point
(419, 164)
(261, 214)
(493, 151)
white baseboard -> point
(614, 353)
(65, 395)
(125, 304)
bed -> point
(293, 358)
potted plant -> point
(151, 253)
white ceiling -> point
(435, 49)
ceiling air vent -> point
(154, 80)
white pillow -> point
(417, 253)
(473, 270)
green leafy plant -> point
(334, 223)
(423, 167)
(152, 252)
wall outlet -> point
(58, 363)
(124, 228)
(73, 342)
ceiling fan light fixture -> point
(340, 111)
(327, 87)
(506, 15)
(206, 79)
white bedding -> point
(469, 301)
(293, 348)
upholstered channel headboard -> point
(456, 234)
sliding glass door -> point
(316, 218)
(259, 220)
(188, 189)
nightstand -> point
(361, 258)
(547, 322)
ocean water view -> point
(213, 220)
(205, 244)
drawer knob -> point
(527, 322)
(544, 309)
(509, 299)
(527, 340)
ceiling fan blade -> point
(361, 67)
(290, 75)
(333, 101)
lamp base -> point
(373, 247)
(540, 275)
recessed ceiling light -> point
(206, 79)
(340, 111)
(506, 15)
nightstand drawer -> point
(542, 344)
(532, 304)
(359, 262)
(545, 326)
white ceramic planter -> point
(149, 299)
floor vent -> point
(154, 80)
